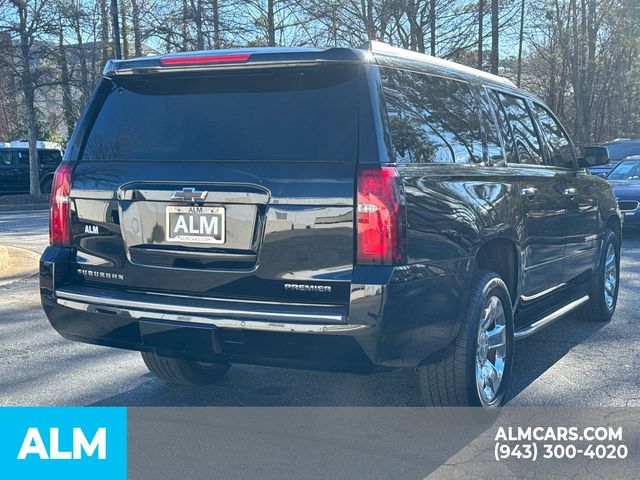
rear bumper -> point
(378, 329)
(326, 347)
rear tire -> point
(476, 370)
(184, 372)
(604, 283)
(45, 186)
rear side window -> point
(5, 158)
(559, 146)
(279, 115)
(495, 151)
(52, 157)
(521, 124)
(23, 156)
(507, 134)
(431, 119)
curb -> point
(19, 263)
(4, 258)
(24, 208)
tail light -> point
(60, 211)
(380, 217)
(204, 59)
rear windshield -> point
(280, 115)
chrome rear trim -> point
(543, 322)
(204, 316)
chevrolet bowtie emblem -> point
(189, 195)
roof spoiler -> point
(232, 59)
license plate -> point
(195, 224)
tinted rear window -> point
(44, 156)
(431, 119)
(50, 156)
(283, 115)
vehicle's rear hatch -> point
(228, 185)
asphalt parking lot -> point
(570, 363)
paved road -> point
(568, 364)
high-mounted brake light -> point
(60, 211)
(204, 59)
(380, 217)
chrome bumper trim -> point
(204, 316)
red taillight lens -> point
(204, 59)
(381, 226)
(60, 211)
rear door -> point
(541, 188)
(580, 190)
(236, 185)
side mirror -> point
(593, 157)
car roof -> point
(618, 141)
(22, 149)
(376, 53)
(398, 57)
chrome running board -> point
(552, 317)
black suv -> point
(337, 209)
(14, 166)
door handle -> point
(570, 192)
(529, 192)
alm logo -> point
(33, 444)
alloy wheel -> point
(610, 276)
(491, 350)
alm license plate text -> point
(195, 224)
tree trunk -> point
(67, 100)
(520, 41)
(495, 27)
(104, 31)
(137, 34)
(185, 26)
(82, 54)
(271, 24)
(116, 29)
(577, 73)
(34, 162)
(28, 89)
(480, 31)
(370, 26)
(124, 30)
(414, 28)
(217, 40)
(432, 26)
(197, 18)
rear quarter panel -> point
(452, 210)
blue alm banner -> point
(63, 442)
